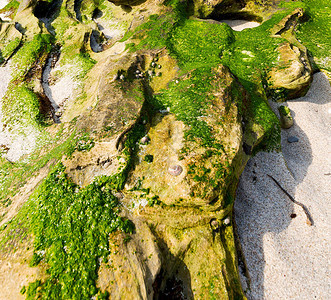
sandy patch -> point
(62, 89)
(20, 141)
(286, 258)
(4, 16)
(239, 25)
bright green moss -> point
(21, 106)
(9, 49)
(71, 228)
(199, 43)
(28, 54)
(315, 33)
(13, 176)
(189, 104)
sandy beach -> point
(285, 257)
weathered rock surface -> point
(293, 75)
(142, 83)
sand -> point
(239, 25)
(3, 16)
(286, 258)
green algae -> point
(10, 48)
(29, 53)
(315, 33)
(71, 228)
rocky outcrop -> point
(10, 39)
(155, 131)
(292, 76)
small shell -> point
(214, 224)
(144, 140)
(175, 170)
(226, 221)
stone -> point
(293, 74)
(292, 139)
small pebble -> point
(159, 66)
(293, 139)
(122, 77)
(137, 71)
(153, 64)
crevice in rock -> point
(46, 12)
(96, 41)
(50, 105)
(4, 63)
(174, 280)
(243, 16)
(77, 7)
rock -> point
(10, 39)
(180, 200)
(292, 139)
(134, 264)
(286, 120)
(292, 77)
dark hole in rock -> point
(97, 13)
(126, 8)
(77, 7)
(41, 9)
(247, 149)
(293, 216)
(244, 16)
(96, 41)
(173, 290)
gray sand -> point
(286, 258)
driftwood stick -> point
(305, 209)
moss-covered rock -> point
(155, 131)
